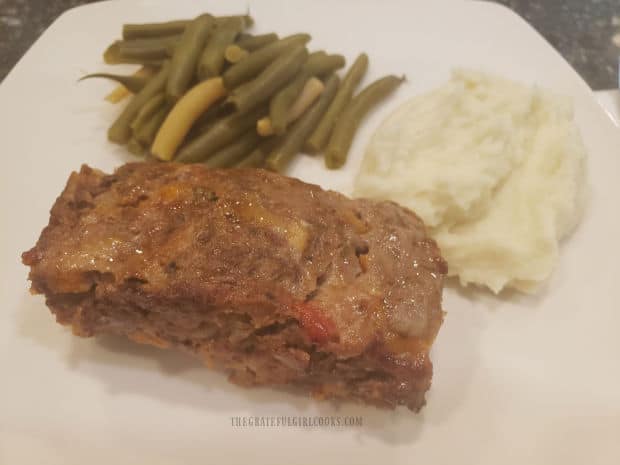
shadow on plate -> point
(125, 367)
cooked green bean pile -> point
(210, 92)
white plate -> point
(523, 380)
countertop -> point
(586, 32)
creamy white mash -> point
(493, 167)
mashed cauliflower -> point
(493, 167)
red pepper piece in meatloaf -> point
(273, 280)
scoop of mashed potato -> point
(495, 169)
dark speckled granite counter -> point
(586, 32)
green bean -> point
(149, 30)
(255, 62)
(294, 139)
(147, 132)
(140, 31)
(120, 131)
(184, 114)
(318, 64)
(208, 119)
(147, 110)
(281, 102)
(234, 54)
(321, 64)
(250, 42)
(220, 134)
(148, 49)
(318, 140)
(212, 60)
(133, 83)
(112, 56)
(248, 21)
(135, 147)
(256, 158)
(244, 36)
(186, 55)
(233, 153)
(344, 130)
(268, 82)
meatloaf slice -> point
(273, 280)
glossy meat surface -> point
(271, 279)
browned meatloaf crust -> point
(275, 281)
